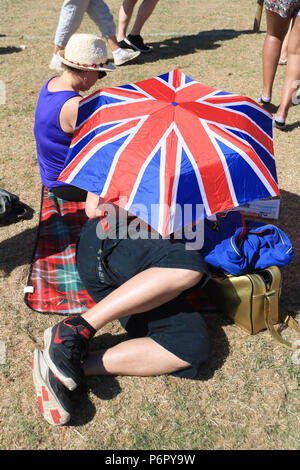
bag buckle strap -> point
(289, 321)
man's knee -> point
(187, 278)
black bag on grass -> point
(11, 209)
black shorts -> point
(69, 193)
(106, 263)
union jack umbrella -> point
(170, 141)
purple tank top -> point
(52, 143)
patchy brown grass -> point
(247, 395)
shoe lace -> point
(77, 350)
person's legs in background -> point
(100, 14)
(70, 18)
(277, 28)
(134, 39)
(144, 12)
(125, 15)
(292, 73)
(283, 52)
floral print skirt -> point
(284, 8)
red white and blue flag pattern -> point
(171, 141)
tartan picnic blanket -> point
(54, 285)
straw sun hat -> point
(86, 52)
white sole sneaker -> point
(126, 56)
(55, 63)
(51, 407)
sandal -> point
(279, 125)
(264, 102)
(282, 61)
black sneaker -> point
(66, 344)
(123, 45)
(53, 397)
(136, 41)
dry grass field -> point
(247, 395)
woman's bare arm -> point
(68, 114)
(93, 205)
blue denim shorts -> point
(104, 264)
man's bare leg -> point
(145, 291)
(139, 356)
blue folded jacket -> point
(216, 232)
(258, 248)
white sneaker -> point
(53, 397)
(121, 56)
(55, 63)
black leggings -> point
(69, 193)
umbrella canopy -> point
(159, 145)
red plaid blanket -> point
(54, 285)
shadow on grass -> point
(10, 50)
(289, 222)
(103, 387)
(17, 250)
(292, 126)
(219, 347)
(183, 45)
